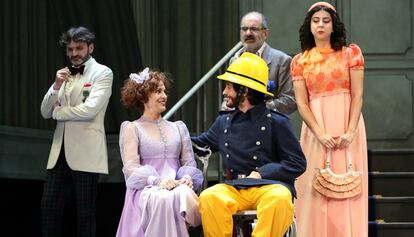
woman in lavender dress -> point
(159, 166)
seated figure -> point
(159, 166)
(260, 151)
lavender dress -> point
(151, 151)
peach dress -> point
(326, 73)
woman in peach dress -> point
(328, 82)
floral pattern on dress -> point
(326, 70)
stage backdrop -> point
(185, 38)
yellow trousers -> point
(273, 203)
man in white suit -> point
(77, 100)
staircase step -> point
(391, 184)
(391, 209)
(398, 160)
(393, 229)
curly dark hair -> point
(136, 95)
(253, 96)
(338, 36)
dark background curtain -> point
(187, 38)
(30, 55)
(30, 31)
(183, 37)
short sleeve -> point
(356, 59)
(296, 69)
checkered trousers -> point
(60, 182)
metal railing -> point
(204, 103)
(203, 80)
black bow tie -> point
(75, 70)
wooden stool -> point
(244, 222)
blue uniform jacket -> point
(258, 140)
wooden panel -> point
(285, 19)
(388, 107)
(381, 27)
(250, 5)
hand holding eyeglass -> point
(62, 75)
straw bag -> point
(338, 186)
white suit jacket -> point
(81, 123)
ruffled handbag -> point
(338, 186)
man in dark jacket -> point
(261, 153)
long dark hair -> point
(338, 36)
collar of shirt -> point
(252, 114)
(258, 53)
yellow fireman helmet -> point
(248, 70)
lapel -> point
(61, 95)
(76, 90)
(266, 54)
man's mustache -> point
(249, 38)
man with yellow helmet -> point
(261, 153)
